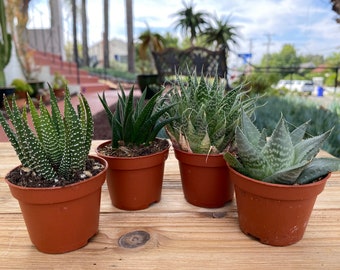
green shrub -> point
(297, 111)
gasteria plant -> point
(60, 144)
(206, 113)
(136, 124)
(284, 158)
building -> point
(117, 51)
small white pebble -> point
(88, 173)
(25, 169)
(97, 167)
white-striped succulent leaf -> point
(284, 158)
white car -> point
(304, 86)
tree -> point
(84, 33)
(220, 33)
(106, 35)
(170, 40)
(191, 23)
(149, 42)
(286, 60)
(336, 9)
(129, 26)
(75, 42)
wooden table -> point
(182, 236)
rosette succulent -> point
(286, 157)
(207, 114)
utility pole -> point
(250, 50)
(268, 44)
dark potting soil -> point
(135, 151)
(25, 177)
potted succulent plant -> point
(135, 155)
(206, 115)
(58, 184)
(277, 180)
(22, 88)
(149, 80)
(59, 84)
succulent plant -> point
(283, 158)
(58, 144)
(207, 114)
(135, 124)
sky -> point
(263, 25)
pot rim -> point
(277, 191)
(197, 154)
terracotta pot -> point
(151, 83)
(274, 214)
(205, 179)
(59, 93)
(61, 219)
(135, 183)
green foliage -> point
(136, 124)
(298, 110)
(59, 143)
(287, 57)
(220, 33)
(190, 22)
(256, 83)
(113, 73)
(149, 42)
(5, 44)
(21, 85)
(284, 158)
(206, 113)
(59, 81)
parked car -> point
(303, 86)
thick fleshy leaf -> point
(317, 168)
(279, 151)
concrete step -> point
(66, 70)
(93, 87)
(73, 79)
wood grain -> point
(182, 236)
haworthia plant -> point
(207, 113)
(58, 144)
(135, 124)
(283, 158)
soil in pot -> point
(274, 214)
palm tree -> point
(75, 42)
(149, 42)
(106, 35)
(130, 45)
(220, 34)
(84, 33)
(191, 23)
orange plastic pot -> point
(274, 214)
(61, 219)
(135, 183)
(205, 179)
